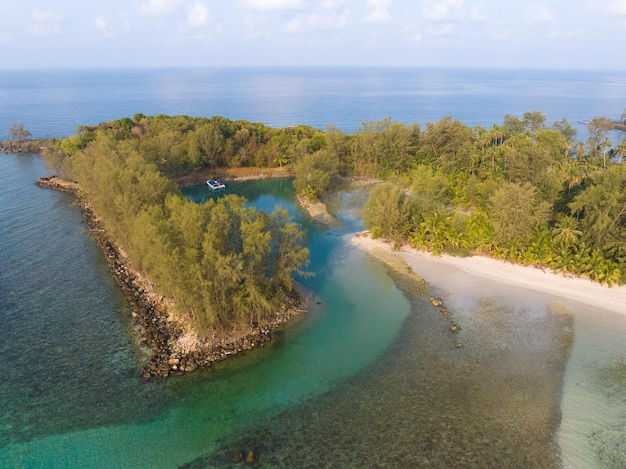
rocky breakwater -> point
(23, 146)
(175, 346)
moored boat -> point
(215, 185)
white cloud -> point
(498, 32)
(618, 7)
(198, 15)
(416, 37)
(332, 4)
(158, 8)
(477, 16)
(440, 10)
(6, 37)
(269, 5)
(315, 21)
(539, 14)
(103, 26)
(442, 29)
(379, 12)
(46, 22)
(254, 29)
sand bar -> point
(575, 289)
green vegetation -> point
(521, 191)
(222, 263)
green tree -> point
(598, 128)
(314, 174)
(601, 206)
(449, 143)
(387, 213)
(566, 232)
(534, 121)
(515, 210)
(429, 188)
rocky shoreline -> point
(175, 347)
(24, 146)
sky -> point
(549, 34)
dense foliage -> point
(222, 263)
(522, 191)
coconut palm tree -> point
(620, 150)
(566, 232)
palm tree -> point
(540, 247)
(608, 273)
(281, 159)
(562, 261)
(566, 232)
(479, 232)
(621, 151)
(605, 146)
(434, 228)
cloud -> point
(332, 4)
(498, 32)
(477, 16)
(46, 22)
(254, 28)
(416, 37)
(379, 12)
(618, 7)
(539, 14)
(440, 10)
(158, 8)
(103, 26)
(269, 5)
(318, 22)
(442, 29)
(198, 15)
(6, 37)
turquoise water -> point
(360, 381)
(93, 411)
(369, 377)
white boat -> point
(215, 185)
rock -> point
(435, 302)
(236, 457)
(173, 361)
(191, 366)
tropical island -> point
(210, 280)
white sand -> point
(575, 289)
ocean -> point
(54, 103)
(370, 376)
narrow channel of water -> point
(356, 315)
(371, 377)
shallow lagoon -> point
(167, 425)
(370, 377)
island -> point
(206, 281)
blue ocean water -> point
(52, 103)
(68, 392)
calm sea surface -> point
(371, 376)
(53, 103)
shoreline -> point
(576, 289)
(232, 174)
(175, 347)
(34, 147)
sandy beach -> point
(580, 290)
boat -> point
(215, 185)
